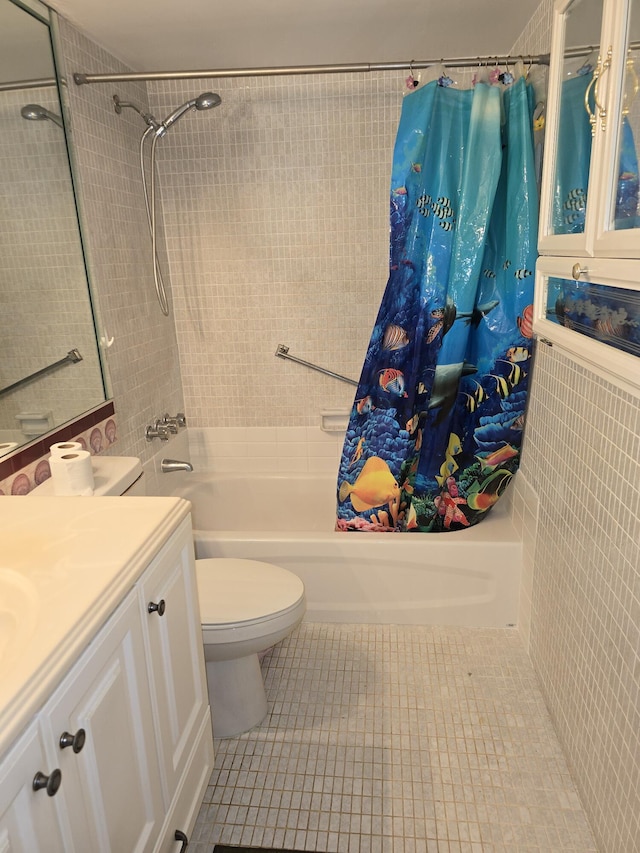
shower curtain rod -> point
(410, 64)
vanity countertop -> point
(65, 565)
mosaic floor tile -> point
(396, 739)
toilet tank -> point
(113, 475)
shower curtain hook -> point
(495, 76)
(506, 78)
(412, 82)
(525, 73)
(444, 80)
(477, 77)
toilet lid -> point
(234, 590)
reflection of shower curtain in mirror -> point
(435, 432)
(572, 166)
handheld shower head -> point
(36, 112)
(205, 101)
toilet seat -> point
(246, 605)
(237, 592)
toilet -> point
(246, 606)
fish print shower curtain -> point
(435, 432)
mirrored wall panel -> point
(50, 369)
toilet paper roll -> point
(63, 447)
(72, 473)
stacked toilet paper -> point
(71, 469)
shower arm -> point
(119, 105)
(283, 352)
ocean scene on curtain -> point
(435, 431)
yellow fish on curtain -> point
(435, 431)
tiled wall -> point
(276, 210)
(582, 459)
(265, 450)
(143, 361)
(534, 39)
(536, 36)
(577, 501)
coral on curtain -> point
(435, 431)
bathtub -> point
(468, 577)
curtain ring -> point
(412, 82)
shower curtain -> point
(435, 431)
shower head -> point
(36, 112)
(205, 101)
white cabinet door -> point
(29, 819)
(617, 220)
(590, 203)
(171, 621)
(592, 312)
(569, 181)
(112, 789)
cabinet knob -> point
(76, 741)
(180, 836)
(158, 608)
(50, 783)
(577, 271)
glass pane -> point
(607, 314)
(45, 306)
(625, 208)
(571, 185)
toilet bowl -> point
(246, 606)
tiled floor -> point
(396, 739)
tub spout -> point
(169, 465)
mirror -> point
(50, 368)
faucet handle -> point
(156, 431)
(167, 424)
(179, 420)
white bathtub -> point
(468, 577)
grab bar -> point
(71, 357)
(283, 352)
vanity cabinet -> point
(128, 729)
(29, 821)
(112, 798)
(168, 603)
(590, 204)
